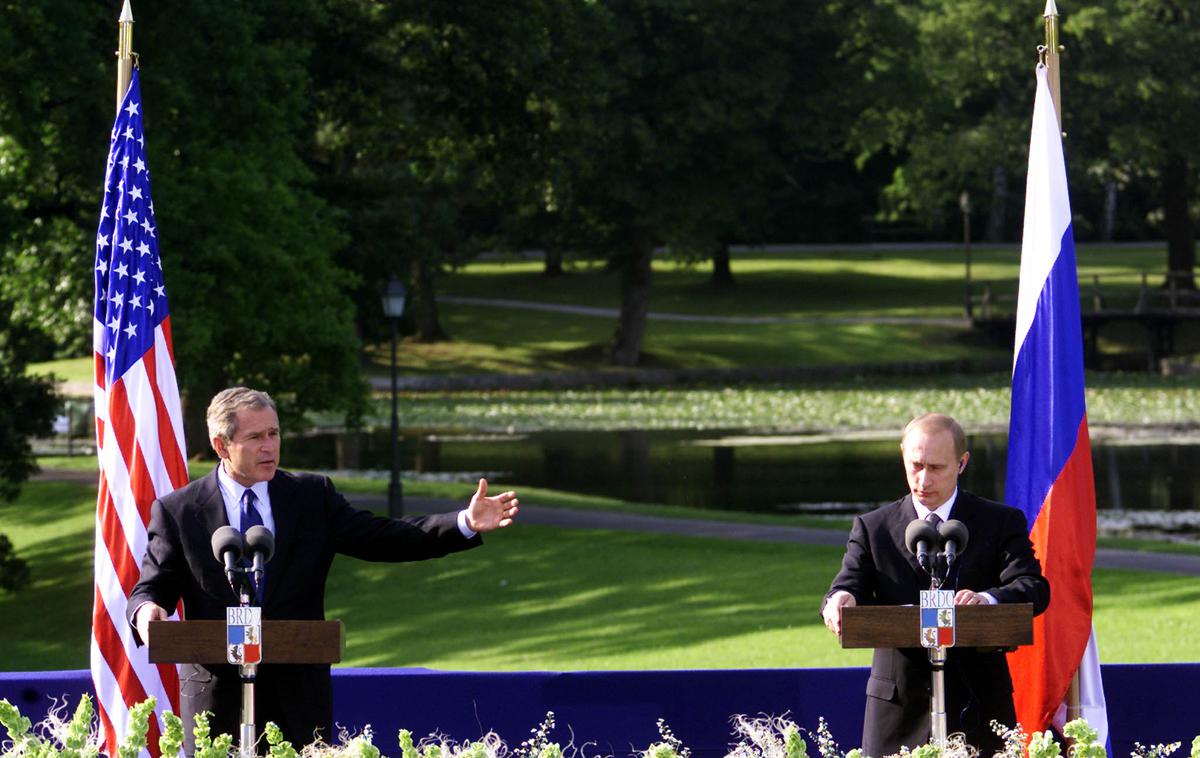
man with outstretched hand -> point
(311, 522)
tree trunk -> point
(424, 303)
(554, 262)
(1108, 230)
(722, 273)
(626, 346)
(1181, 234)
(999, 208)
(194, 402)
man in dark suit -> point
(998, 566)
(311, 523)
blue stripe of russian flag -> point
(1048, 402)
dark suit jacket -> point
(878, 570)
(312, 523)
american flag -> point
(139, 426)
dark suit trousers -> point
(294, 697)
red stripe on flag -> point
(172, 457)
(109, 643)
(125, 430)
(123, 423)
(127, 567)
(166, 330)
(1042, 671)
(98, 369)
(111, 740)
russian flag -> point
(1049, 454)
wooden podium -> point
(1006, 625)
(204, 642)
(283, 642)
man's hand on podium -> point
(145, 614)
(833, 610)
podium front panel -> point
(283, 642)
(1004, 625)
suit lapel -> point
(901, 517)
(212, 505)
(212, 516)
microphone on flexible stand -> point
(954, 537)
(227, 547)
(919, 536)
(260, 543)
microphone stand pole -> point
(247, 672)
(937, 696)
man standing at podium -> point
(311, 523)
(998, 566)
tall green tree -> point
(1136, 67)
(678, 143)
(951, 84)
(435, 122)
(247, 247)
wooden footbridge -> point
(1109, 306)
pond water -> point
(735, 471)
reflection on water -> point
(734, 472)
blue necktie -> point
(251, 517)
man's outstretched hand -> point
(486, 514)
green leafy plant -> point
(206, 746)
(279, 747)
(1043, 745)
(136, 729)
(171, 740)
(18, 726)
(1085, 739)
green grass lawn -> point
(544, 598)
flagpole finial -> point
(1048, 53)
(125, 52)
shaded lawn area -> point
(544, 598)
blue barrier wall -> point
(616, 712)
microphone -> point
(227, 547)
(918, 537)
(954, 539)
(260, 543)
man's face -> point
(931, 466)
(253, 453)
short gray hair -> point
(938, 422)
(222, 411)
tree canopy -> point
(304, 152)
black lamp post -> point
(964, 205)
(393, 308)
